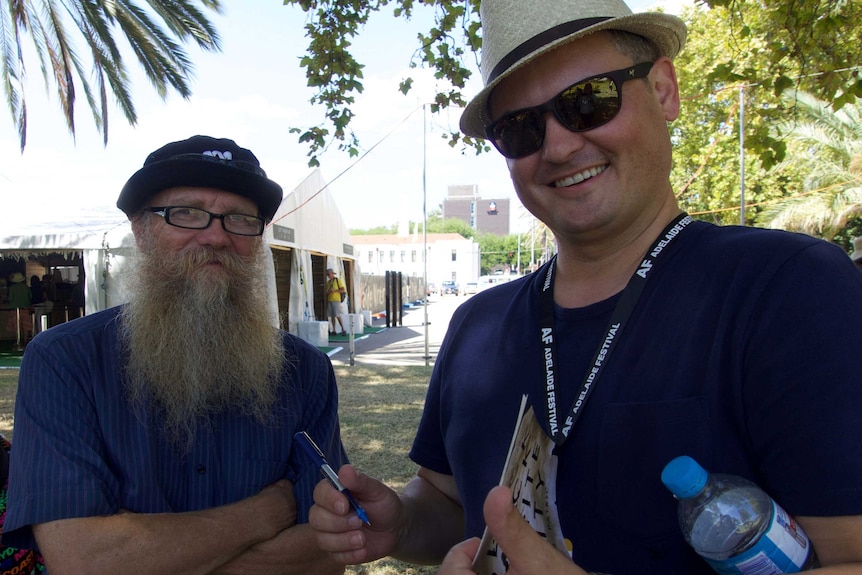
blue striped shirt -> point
(80, 450)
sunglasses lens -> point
(583, 106)
(587, 105)
(519, 134)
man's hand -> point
(341, 532)
(459, 560)
(525, 550)
(194, 542)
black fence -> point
(389, 293)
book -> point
(530, 472)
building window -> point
(413, 256)
(370, 256)
(403, 256)
(380, 257)
(454, 255)
(392, 256)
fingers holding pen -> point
(344, 534)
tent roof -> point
(311, 212)
(84, 229)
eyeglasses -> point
(198, 219)
(584, 105)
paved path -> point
(404, 344)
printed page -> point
(531, 472)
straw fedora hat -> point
(514, 32)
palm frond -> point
(827, 146)
(155, 34)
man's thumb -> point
(525, 550)
(510, 530)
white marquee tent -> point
(307, 226)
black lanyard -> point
(622, 311)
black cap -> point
(202, 161)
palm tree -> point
(47, 23)
(825, 147)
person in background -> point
(19, 294)
(78, 294)
(157, 437)
(21, 321)
(336, 293)
(648, 336)
(42, 313)
(856, 256)
(37, 290)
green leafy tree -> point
(450, 226)
(829, 144)
(707, 175)
(336, 75)
(845, 237)
(497, 251)
(802, 44)
(53, 25)
(811, 46)
(378, 230)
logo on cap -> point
(226, 155)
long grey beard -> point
(199, 341)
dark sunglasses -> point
(584, 105)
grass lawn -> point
(379, 409)
(8, 388)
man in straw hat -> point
(649, 336)
(156, 437)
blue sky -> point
(253, 92)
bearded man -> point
(157, 437)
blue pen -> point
(313, 451)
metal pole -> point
(350, 339)
(742, 155)
(18, 345)
(425, 224)
(532, 244)
(387, 296)
(519, 254)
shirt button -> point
(202, 469)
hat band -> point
(540, 40)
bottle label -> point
(783, 548)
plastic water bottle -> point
(734, 525)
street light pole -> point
(425, 225)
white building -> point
(450, 256)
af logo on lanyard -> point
(623, 310)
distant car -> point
(471, 287)
(450, 287)
(432, 289)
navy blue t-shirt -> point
(81, 450)
(742, 352)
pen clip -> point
(309, 446)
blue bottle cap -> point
(684, 477)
